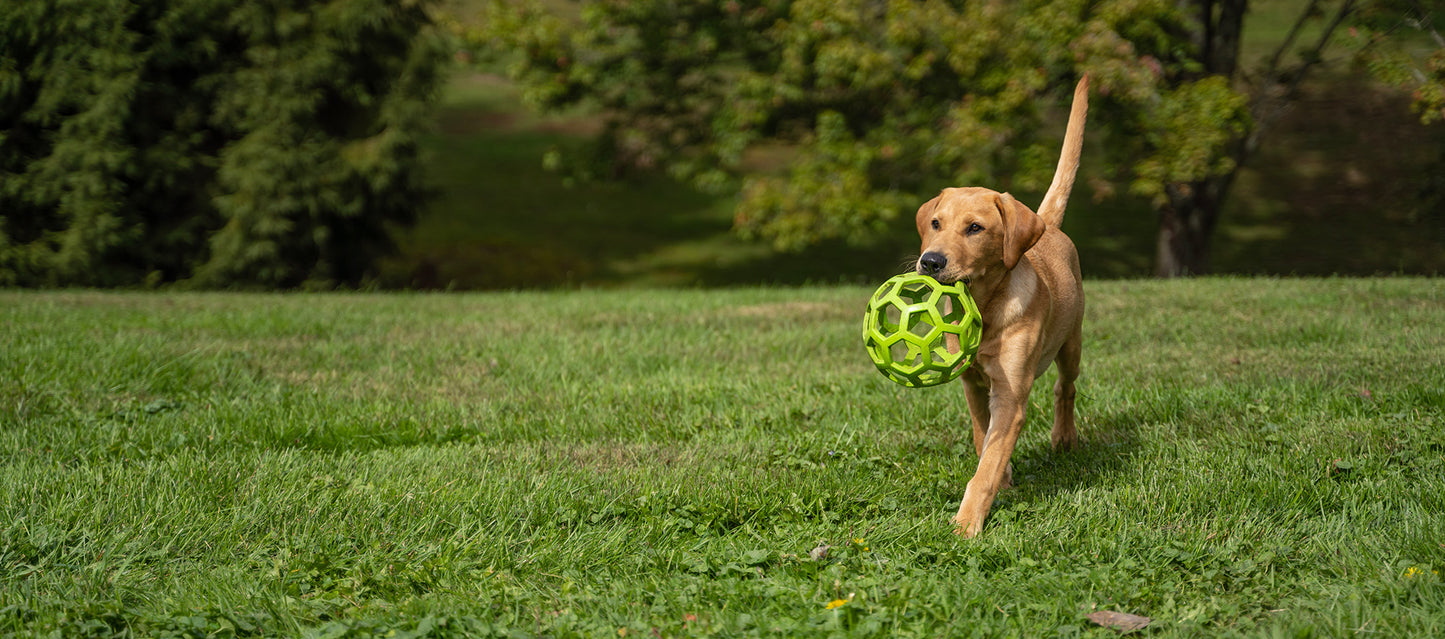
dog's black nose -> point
(931, 263)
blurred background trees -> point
(880, 103)
(220, 143)
(284, 144)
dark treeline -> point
(209, 142)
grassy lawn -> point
(1260, 457)
(500, 220)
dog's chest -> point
(1022, 287)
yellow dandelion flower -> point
(1413, 571)
(835, 603)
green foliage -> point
(1400, 43)
(881, 102)
(1197, 122)
(836, 119)
(252, 143)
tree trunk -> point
(1186, 223)
(1186, 227)
(1178, 253)
(1223, 23)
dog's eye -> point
(974, 228)
(935, 225)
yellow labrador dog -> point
(1023, 272)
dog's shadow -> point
(1107, 448)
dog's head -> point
(969, 233)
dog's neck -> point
(1002, 294)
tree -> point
(886, 101)
(220, 143)
(1189, 208)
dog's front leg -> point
(1005, 422)
(977, 395)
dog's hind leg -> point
(1065, 436)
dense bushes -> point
(220, 143)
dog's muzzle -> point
(931, 263)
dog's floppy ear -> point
(925, 214)
(1022, 229)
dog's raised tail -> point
(1052, 208)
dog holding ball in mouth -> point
(1023, 274)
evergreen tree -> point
(256, 143)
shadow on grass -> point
(1108, 446)
(502, 221)
(1347, 183)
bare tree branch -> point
(1272, 94)
(1294, 30)
(1424, 23)
(1317, 54)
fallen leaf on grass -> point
(1121, 621)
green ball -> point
(906, 324)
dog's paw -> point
(1064, 440)
(1063, 445)
(967, 529)
(966, 532)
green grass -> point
(500, 220)
(1260, 458)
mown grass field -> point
(1260, 458)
